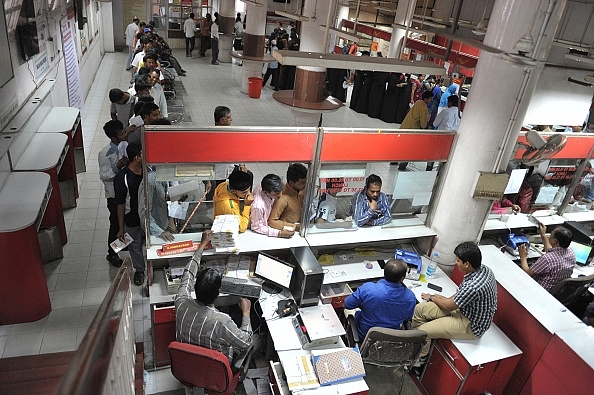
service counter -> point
(533, 320)
(47, 153)
(24, 295)
(67, 120)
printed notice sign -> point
(75, 94)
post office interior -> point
(537, 335)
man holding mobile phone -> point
(371, 206)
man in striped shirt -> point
(371, 206)
(198, 321)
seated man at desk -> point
(558, 261)
(286, 210)
(371, 206)
(198, 321)
(469, 312)
(227, 195)
(264, 196)
(386, 303)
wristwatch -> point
(431, 298)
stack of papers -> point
(225, 230)
(298, 370)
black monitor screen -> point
(274, 270)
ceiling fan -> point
(539, 149)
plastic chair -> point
(196, 366)
(390, 348)
(570, 290)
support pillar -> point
(492, 117)
(308, 99)
(404, 13)
(227, 19)
(253, 43)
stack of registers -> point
(225, 230)
(305, 370)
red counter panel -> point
(227, 147)
(367, 147)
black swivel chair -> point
(572, 290)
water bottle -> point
(432, 266)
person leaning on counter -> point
(286, 210)
(558, 261)
(227, 195)
(371, 206)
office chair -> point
(390, 348)
(570, 290)
(196, 366)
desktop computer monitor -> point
(277, 274)
(582, 253)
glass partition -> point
(191, 188)
(546, 185)
(408, 194)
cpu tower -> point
(308, 277)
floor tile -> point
(69, 281)
(68, 298)
(60, 340)
(94, 296)
(29, 327)
(63, 319)
(26, 344)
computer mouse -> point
(369, 265)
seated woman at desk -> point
(522, 201)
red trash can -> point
(254, 87)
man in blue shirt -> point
(371, 206)
(386, 303)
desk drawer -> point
(335, 294)
(164, 315)
(454, 356)
(279, 386)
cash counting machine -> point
(511, 242)
(413, 261)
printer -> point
(511, 242)
(317, 326)
(413, 261)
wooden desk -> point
(23, 290)
(532, 318)
(46, 153)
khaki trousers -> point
(440, 324)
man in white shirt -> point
(214, 41)
(131, 30)
(190, 31)
(449, 119)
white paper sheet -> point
(515, 181)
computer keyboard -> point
(240, 289)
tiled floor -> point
(78, 282)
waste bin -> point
(254, 87)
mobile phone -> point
(435, 287)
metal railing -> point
(104, 361)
